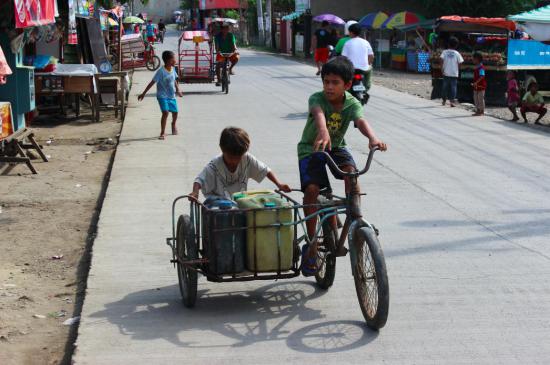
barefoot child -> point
(330, 113)
(512, 94)
(166, 79)
(479, 85)
(229, 172)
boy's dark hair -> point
(234, 141)
(324, 23)
(339, 66)
(531, 84)
(453, 42)
(355, 29)
(478, 56)
(167, 55)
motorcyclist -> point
(340, 44)
(360, 53)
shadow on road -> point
(296, 116)
(243, 318)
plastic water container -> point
(225, 249)
(264, 244)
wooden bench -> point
(12, 148)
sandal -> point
(309, 264)
(161, 137)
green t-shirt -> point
(227, 44)
(337, 122)
(533, 99)
(340, 45)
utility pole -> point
(260, 12)
(268, 23)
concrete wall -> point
(157, 9)
(355, 9)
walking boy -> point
(451, 62)
(321, 41)
(166, 79)
(229, 172)
(479, 85)
(330, 113)
(533, 102)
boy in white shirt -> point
(229, 172)
(451, 64)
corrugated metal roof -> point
(540, 15)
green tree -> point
(477, 8)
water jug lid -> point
(225, 204)
(239, 196)
(270, 205)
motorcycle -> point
(358, 89)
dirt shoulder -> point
(49, 215)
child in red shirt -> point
(479, 85)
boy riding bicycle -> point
(226, 46)
(330, 113)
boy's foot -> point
(174, 130)
(526, 121)
(231, 72)
(515, 119)
(318, 73)
(161, 136)
(477, 114)
(443, 102)
(309, 264)
(218, 84)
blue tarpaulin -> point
(526, 54)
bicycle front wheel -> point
(153, 63)
(371, 278)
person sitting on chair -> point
(226, 43)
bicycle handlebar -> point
(355, 173)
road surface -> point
(462, 203)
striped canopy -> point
(373, 20)
(402, 18)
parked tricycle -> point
(255, 237)
(137, 53)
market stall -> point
(400, 43)
(490, 37)
(418, 46)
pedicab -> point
(197, 60)
(254, 236)
(137, 53)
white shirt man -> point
(359, 52)
(451, 62)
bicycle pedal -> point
(341, 252)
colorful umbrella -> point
(331, 18)
(373, 20)
(402, 18)
(133, 20)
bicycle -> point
(195, 237)
(225, 74)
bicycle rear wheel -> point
(153, 63)
(187, 250)
(371, 278)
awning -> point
(536, 23)
(40, 12)
(540, 15)
(455, 23)
(222, 4)
(292, 16)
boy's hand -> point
(322, 141)
(375, 142)
(140, 97)
(179, 93)
(284, 187)
(194, 195)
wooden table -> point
(59, 85)
(114, 83)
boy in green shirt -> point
(533, 102)
(330, 113)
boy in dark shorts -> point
(330, 113)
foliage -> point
(233, 14)
(477, 8)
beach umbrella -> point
(373, 20)
(331, 18)
(402, 18)
(133, 20)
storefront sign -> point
(30, 13)
(528, 54)
(302, 5)
(222, 4)
(73, 37)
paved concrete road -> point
(462, 203)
